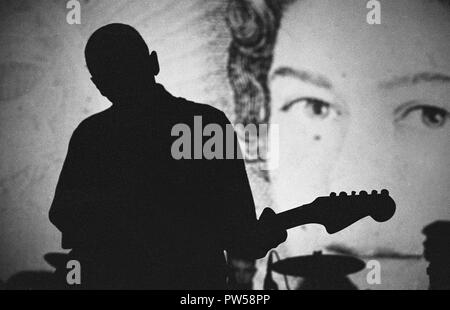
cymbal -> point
(319, 264)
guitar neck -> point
(302, 215)
(339, 212)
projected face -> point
(364, 107)
(358, 107)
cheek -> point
(307, 152)
(424, 172)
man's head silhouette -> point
(120, 63)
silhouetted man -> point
(437, 253)
(134, 216)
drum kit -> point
(320, 271)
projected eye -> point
(312, 108)
(427, 115)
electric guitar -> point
(337, 212)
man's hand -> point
(271, 234)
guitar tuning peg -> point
(384, 192)
(374, 192)
(342, 194)
(332, 194)
(362, 193)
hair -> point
(254, 26)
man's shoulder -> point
(93, 123)
(208, 113)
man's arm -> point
(247, 238)
(77, 203)
(64, 209)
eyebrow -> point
(305, 76)
(410, 80)
(323, 82)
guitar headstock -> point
(340, 209)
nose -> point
(365, 161)
(365, 158)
